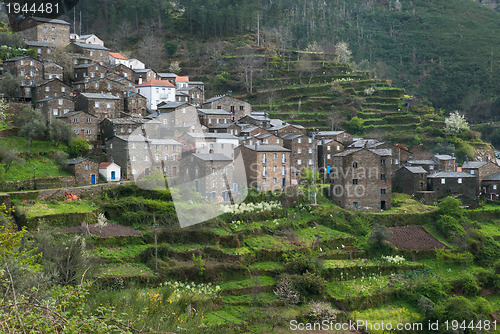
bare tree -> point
(248, 65)
(335, 119)
(306, 66)
(151, 50)
(175, 67)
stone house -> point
(28, 69)
(97, 53)
(327, 148)
(144, 75)
(446, 163)
(123, 126)
(281, 129)
(251, 131)
(361, 179)
(89, 71)
(48, 31)
(411, 179)
(264, 139)
(194, 94)
(235, 106)
(481, 169)
(340, 136)
(138, 156)
(267, 167)
(456, 184)
(301, 150)
(174, 114)
(429, 165)
(83, 124)
(236, 128)
(260, 119)
(85, 171)
(52, 88)
(167, 76)
(101, 105)
(43, 50)
(211, 175)
(136, 104)
(90, 39)
(214, 116)
(217, 143)
(123, 71)
(490, 187)
(52, 70)
(53, 107)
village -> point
(144, 122)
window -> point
(328, 156)
(53, 28)
(354, 181)
(299, 140)
(89, 120)
(472, 172)
(299, 162)
(283, 170)
(275, 180)
(96, 104)
(275, 168)
(75, 120)
(44, 29)
(122, 130)
(264, 181)
(443, 181)
(264, 159)
(283, 158)
(459, 180)
(382, 162)
(382, 176)
(60, 102)
(63, 89)
(89, 132)
(47, 89)
(213, 184)
(382, 191)
(328, 148)
(111, 146)
(264, 170)
(39, 50)
(55, 112)
(310, 150)
(87, 167)
(310, 140)
(494, 187)
(213, 171)
(108, 105)
(396, 161)
(310, 162)
(22, 72)
(355, 165)
(31, 62)
(134, 158)
(277, 140)
(134, 171)
(299, 150)
(145, 158)
(92, 75)
(355, 205)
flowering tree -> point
(343, 52)
(456, 122)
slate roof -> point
(449, 175)
(214, 112)
(421, 162)
(415, 170)
(266, 148)
(91, 46)
(99, 96)
(46, 20)
(329, 133)
(474, 164)
(212, 157)
(494, 177)
(42, 44)
(76, 161)
(443, 157)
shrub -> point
(426, 306)
(434, 290)
(460, 308)
(451, 207)
(449, 226)
(468, 285)
(321, 311)
(309, 284)
(230, 241)
(300, 265)
(286, 292)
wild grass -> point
(45, 167)
(248, 282)
(389, 313)
(45, 208)
(124, 270)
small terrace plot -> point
(414, 238)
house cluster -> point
(146, 121)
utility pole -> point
(258, 29)
(313, 181)
(156, 242)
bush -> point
(449, 226)
(286, 292)
(426, 307)
(301, 265)
(78, 147)
(451, 207)
(460, 308)
(321, 311)
(436, 291)
(468, 285)
(309, 284)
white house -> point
(117, 59)
(156, 91)
(136, 64)
(110, 171)
(182, 82)
(90, 39)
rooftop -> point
(99, 96)
(474, 164)
(91, 46)
(266, 148)
(449, 175)
(156, 83)
(212, 157)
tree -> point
(78, 147)
(355, 125)
(61, 158)
(343, 52)
(248, 65)
(456, 122)
(10, 85)
(31, 124)
(151, 51)
(175, 67)
(334, 119)
(9, 157)
(60, 131)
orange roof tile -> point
(104, 165)
(156, 83)
(459, 169)
(117, 55)
(181, 79)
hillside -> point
(445, 51)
